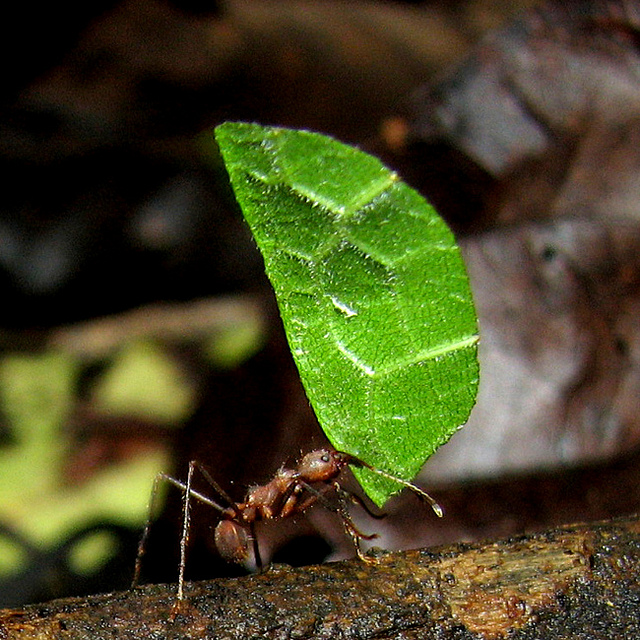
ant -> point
(291, 491)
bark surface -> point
(575, 582)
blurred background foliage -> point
(56, 482)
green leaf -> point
(372, 291)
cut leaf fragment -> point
(372, 291)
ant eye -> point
(325, 458)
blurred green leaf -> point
(37, 393)
(372, 290)
(13, 556)
(144, 381)
(89, 554)
(229, 347)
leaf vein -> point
(428, 354)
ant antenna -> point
(437, 509)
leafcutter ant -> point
(290, 492)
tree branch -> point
(578, 581)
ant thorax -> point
(271, 500)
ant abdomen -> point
(232, 541)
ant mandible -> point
(291, 491)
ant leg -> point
(188, 491)
(350, 527)
(142, 544)
(256, 548)
(356, 499)
(214, 485)
(186, 514)
(319, 496)
(186, 526)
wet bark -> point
(578, 581)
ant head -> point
(320, 465)
(232, 541)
